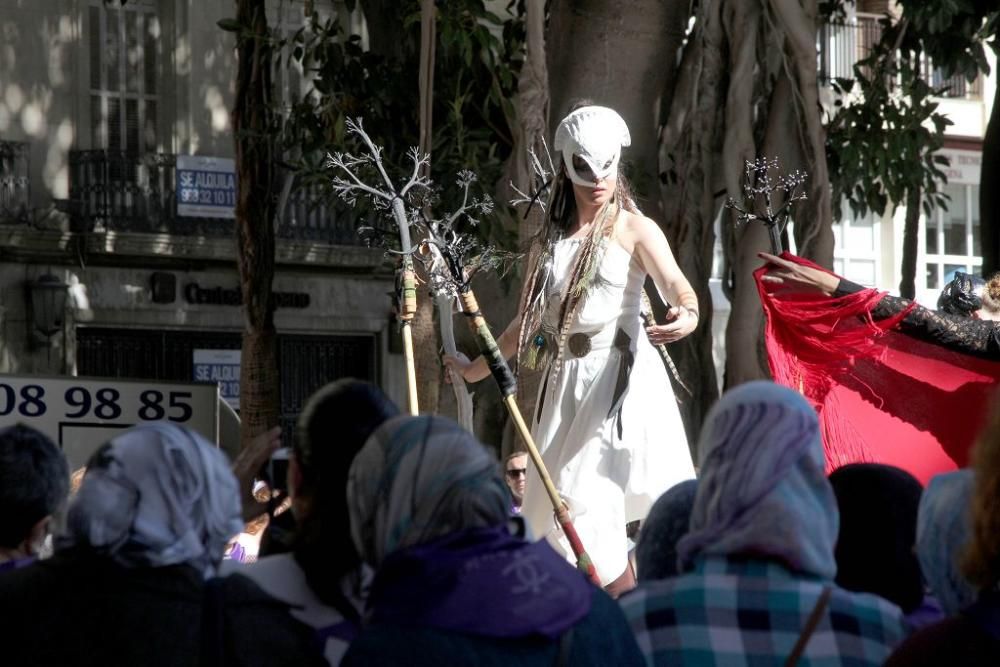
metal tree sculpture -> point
(386, 197)
(759, 189)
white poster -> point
(206, 187)
(81, 414)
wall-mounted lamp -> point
(46, 300)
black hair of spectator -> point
(332, 429)
(875, 550)
(34, 481)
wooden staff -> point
(508, 387)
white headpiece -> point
(597, 135)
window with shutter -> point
(124, 60)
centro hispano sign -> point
(206, 187)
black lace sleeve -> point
(964, 334)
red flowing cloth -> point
(882, 396)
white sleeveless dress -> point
(610, 453)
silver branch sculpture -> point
(760, 190)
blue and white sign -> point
(206, 187)
(223, 368)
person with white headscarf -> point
(131, 581)
(759, 564)
(606, 419)
(453, 584)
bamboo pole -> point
(505, 380)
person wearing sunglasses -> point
(516, 475)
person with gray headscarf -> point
(453, 585)
(760, 552)
(131, 580)
(943, 530)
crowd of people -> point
(407, 548)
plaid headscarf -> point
(157, 495)
(762, 491)
(418, 478)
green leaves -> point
(886, 127)
(477, 60)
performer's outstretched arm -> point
(964, 334)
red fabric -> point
(881, 395)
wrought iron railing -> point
(15, 194)
(112, 190)
(841, 45)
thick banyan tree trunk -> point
(255, 212)
(622, 55)
(746, 89)
(989, 195)
(530, 134)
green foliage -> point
(477, 60)
(953, 32)
(882, 144)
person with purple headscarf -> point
(453, 585)
(758, 586)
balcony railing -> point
(15, 195)
(115, 191)
(841, 45)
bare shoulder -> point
(636, 224)
(636, 230)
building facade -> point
(116, 182)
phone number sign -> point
(206, 187)
(81, 414)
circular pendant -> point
(579, 344)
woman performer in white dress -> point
(606, 420)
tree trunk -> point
(746, 89)
(384, 21)
(690, 143)
(426, 344)
(529, 134)
(814, 217)
(911, 238)
(621, 55)
(744, 360)
(989, 195)
(255, 210)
